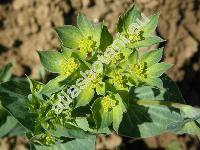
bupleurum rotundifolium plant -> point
(103, 84)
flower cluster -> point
(93, 69)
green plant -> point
(102, 84)
(8, 124)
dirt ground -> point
(27, 26)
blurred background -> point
(27, 26)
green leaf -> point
(158, 69)
(96, 33)
(126, 19)
(5, 73)
(18, 130)
(3, 114)
(157, 82)
(66, 52)
(169, 92)
(84, 25)
(76, 144)
(54, 85)
(133, 58)
(172, 90)
(152, 57)
(85, 96)
(117, 117)
(7, 122)
(106, 38)
(107, 119)
(69, 36)
(42, 73)
(51, 60)
(14, 98)
(148, 41)
(83, 124)
(7, 126)
(100, 89)
(191, 128)
(127, 51)
(102, 119)
(70, 131)
(147, 118)
(150, 26)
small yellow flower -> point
(95, 79)
(135, 37)
(87, 46)
(139, 70)
(108, 103)
(68, 66)
(117, 58)
(117, 79)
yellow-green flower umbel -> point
(85, 37)
(146, 69)
(108, 109)
(138, 34)
(57, 62)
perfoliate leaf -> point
(128, 18)
(69, 36)
(85, 96)
(158, 69)
(151, 25)
(51, 60)
(152, 57)
(84, 25)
